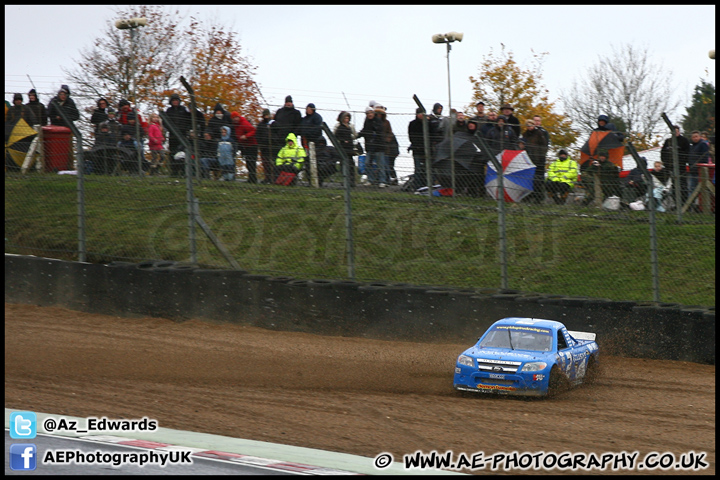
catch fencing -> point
(387, 235)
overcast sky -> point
(327, 54)
(385, 53)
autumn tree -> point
(701, 113)
(106, 68)
(167, 48)
(627, 87)
(219, 73)
(501, 80)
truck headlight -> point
(465, 360)
(534, 367)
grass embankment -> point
(397, 237)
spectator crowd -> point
(279, 146)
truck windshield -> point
(539, 340)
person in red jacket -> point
(128, 115)
(156, 138)
(245, 134)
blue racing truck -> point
(527, 356)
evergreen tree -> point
(701, 113)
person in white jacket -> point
(662, 184)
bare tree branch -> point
(627, 86)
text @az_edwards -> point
(547, 461)
(94, 424)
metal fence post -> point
(82, 248)
(349, 239)
(676, 167)
(191, 210)
(426, 142)
(188, 186)
(193, 114)
(642, 165)
(501, 212)
(314, 180)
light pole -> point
(447, 39)
(132, 24)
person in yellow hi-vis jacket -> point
(562, 175)
(290, 160)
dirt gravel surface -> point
(350, 395)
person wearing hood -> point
(604, 124)
(63, 100)
(16, 112)
(345, 132)
(220, 118)
(37, 108)
(226, 154)
(180, 117)
(263, 137)
(245, 134)
(99, 114)
(310, 126)
(291, 158)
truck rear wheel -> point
(593, 371)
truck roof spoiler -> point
(582, 335)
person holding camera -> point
(607, 174)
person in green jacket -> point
(608, 174)
(562, 176)
(291, 158)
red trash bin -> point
(57, 145)
(711, 176)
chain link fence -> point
(112, 211)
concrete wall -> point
(375, 310)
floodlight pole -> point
(132, 24)
(452, 124)
(447, 39)
(137, 110)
